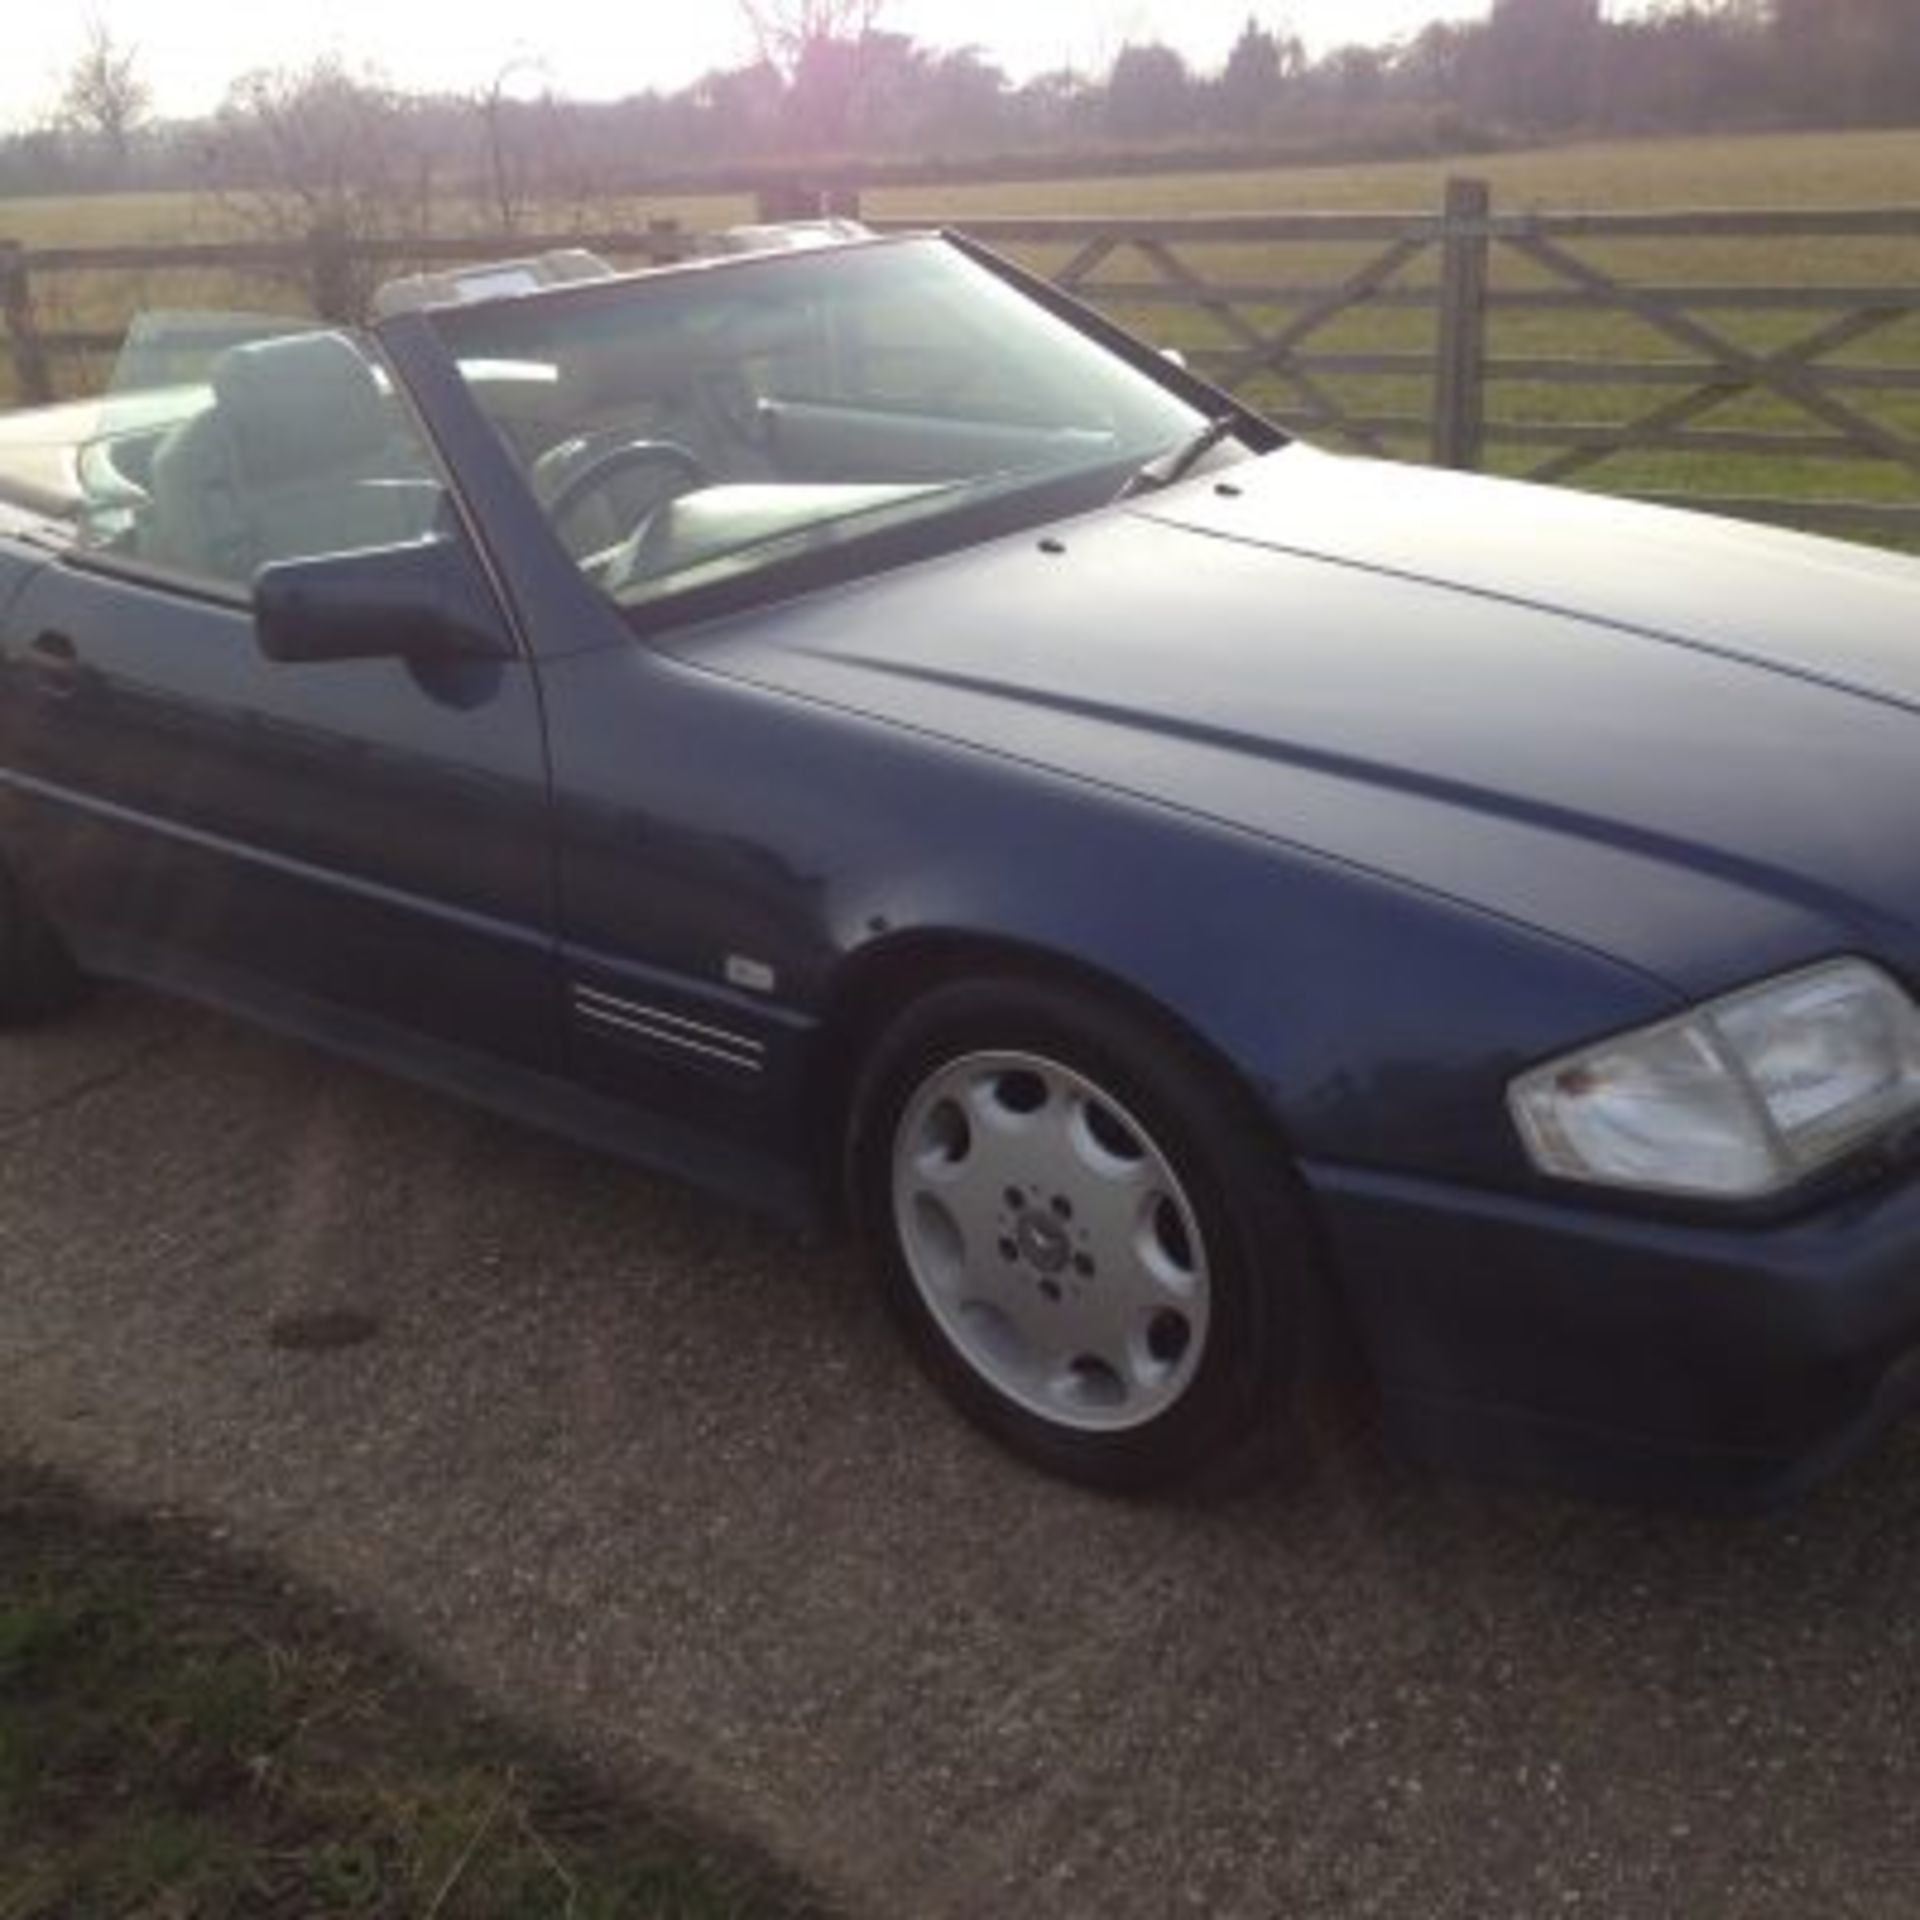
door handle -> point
(54, 663)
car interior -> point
(691, 430)
(674, 429)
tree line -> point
(830, 79)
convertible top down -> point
(847, 725)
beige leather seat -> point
(300, 454)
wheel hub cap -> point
(1044, 1243)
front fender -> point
(712, 831)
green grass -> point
(1782, 171)
(179, 1737)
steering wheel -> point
(586, 473)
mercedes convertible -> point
(847, 725)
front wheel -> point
(1092, 1248)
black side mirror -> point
(426, 600)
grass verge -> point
(183, 1738)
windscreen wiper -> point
(1179, 461)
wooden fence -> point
(1757, 363)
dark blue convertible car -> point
(851, 727)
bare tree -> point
(106, 95)
(822, 50)
(324, 159)
(505, 119)
(786, 31)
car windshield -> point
(701, 426)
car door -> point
(349, 841)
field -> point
(1530, 418)
(1879, 169)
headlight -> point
(1741, 1098)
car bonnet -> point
(1702, 782)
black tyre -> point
(1093, 1249)
(38, 979)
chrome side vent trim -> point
(633, 1020)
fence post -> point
(330, 271)
(1460, 385)
(31, 375)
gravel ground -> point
(653, 1478)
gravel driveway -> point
(645, 1473)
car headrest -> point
(301, 403)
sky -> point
(190, 49)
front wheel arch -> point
(878, 986)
